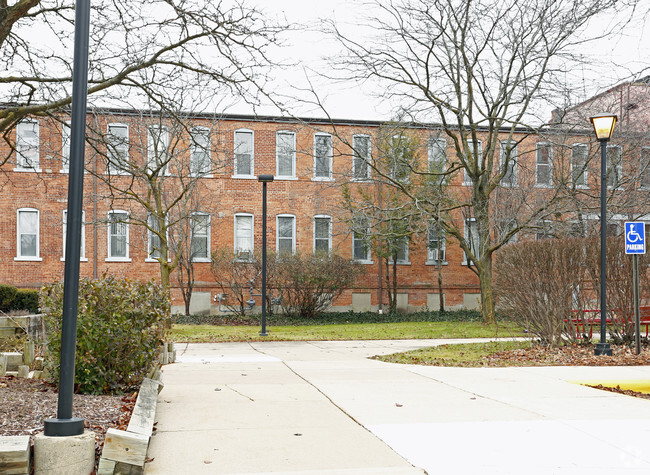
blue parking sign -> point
(634, 237)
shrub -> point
(309, 283)
(26, 299)
(120, 326)
(7, 296)
(536, 281)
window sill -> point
(244, 177)
(400, 263)
(118, 259)
(361, 180)
(200, 259)
(201, 175)
(435, 263)
(538, 185)
(321, 178)
(363, 261)
(286, 178)
(81, 259)
(581, 187)
(28, 259)
(27, 170)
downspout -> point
(380, 276)
(94, 198)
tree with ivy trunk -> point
(482, 70)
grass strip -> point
(350, 331)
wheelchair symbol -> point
(633, 236)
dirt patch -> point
(26, 403)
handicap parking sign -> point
(634, 237)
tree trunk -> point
(487, 293)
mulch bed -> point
(26, 403)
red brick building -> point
(310, 159)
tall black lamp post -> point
(264, 179)
(604, 127)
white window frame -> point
(440, 145)
(329, 232)
(82, 252)
(467, 181)
(474, 244)
(277, 232)
(512, 165)
(123, 147)
(619, 167)
(19, 233)
(432, 257)
(405, 260)
(237, 251)
(252, 154)
(291, 153)
(538, 165)
(585, 174)
(162, 150)
(208, 236)
(109, 241)
(644, 172)
(357, 158)
(22, 143)
(196, 150)
(330, 157)
(365, 238)
(66, 137)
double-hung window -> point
(243, 236)
(200, 237)
(28, 235)
(579, 176)
(27, 145)
(82, 249)
(118, 236)
(65, 147)
(509, 163)
(200, 163)
(437, 159)
(400, 156)
(285, 152)
(361, 157)
(286, 234)
(117, 149)
(323, 156)
(436, 244)
(543, 164)
(361, 241)
(614, 166)
(158, 150)
(244, 165)
(322, 234)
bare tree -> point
(145, 49)
(479, 68)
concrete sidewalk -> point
(323, 407)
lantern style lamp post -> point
(264, 179)
(604, 127)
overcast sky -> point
(614, 61)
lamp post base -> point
(603, 349)
(64, 427)
(264, 334)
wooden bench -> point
(591, 318)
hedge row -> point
(12, 298)
(334, 318)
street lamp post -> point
(604, 127)
(264, 179)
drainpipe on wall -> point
(95, 215)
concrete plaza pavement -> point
(325, 408)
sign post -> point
(635, 245)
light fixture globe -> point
(603, 125)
